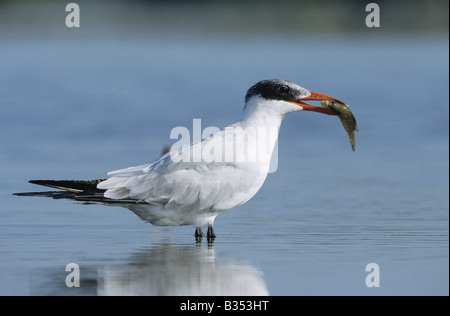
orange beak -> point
(317, 97)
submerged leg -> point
(210, 234)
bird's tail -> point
(78, 190)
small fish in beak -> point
(346, 116)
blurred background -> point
(236, 17)
(79, 102)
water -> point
(79, 108)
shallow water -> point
(78, 109)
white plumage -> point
(194, 193)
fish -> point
(346, 116)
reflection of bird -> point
(183, 189)
(186, 271)
(162, 269)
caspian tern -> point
(173, 191)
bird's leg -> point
(198, 233)
(210, 234)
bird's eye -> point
(283, 89)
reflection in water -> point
(164, 270)
(175, 270)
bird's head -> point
(287, 97)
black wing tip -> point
(46, 193)
(79, 190)
(71, 185)
(40, 182)
(92, 182)
(81, 197)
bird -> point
(194, 183)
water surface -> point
(78, 109)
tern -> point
(180, 189)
